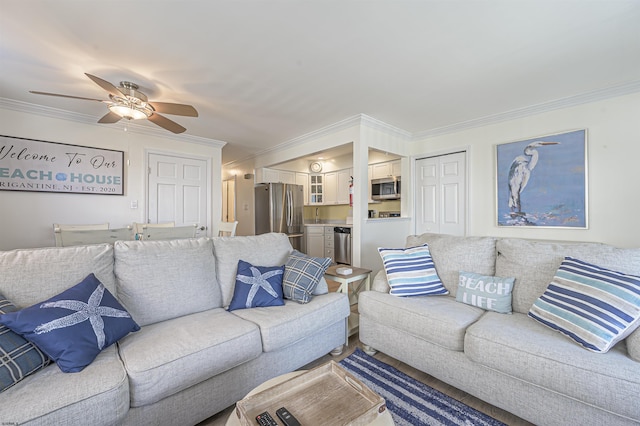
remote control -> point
(286, 417)
(265, 419)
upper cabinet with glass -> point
(316, 189)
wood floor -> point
(505, 417)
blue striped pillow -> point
(594, 306)
(411, 272)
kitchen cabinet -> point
(316, 189)
(320, 241)
(329, 243)
(342, 186)
(287, 177)
(330, 188)
(267, 175)
(303, 179)
(386, 169)
(315, 240)
(336, 187)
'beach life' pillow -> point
(486, 292)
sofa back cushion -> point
(29, 276)
(265, 250)
(165, 279)
(534, 264)
(453, 254)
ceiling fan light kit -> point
(126, 101)
(133, 105)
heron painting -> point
(542, 181)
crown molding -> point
(381, 126)
(323, 131)
(571, 101)
(132, 127)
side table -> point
(352, 285)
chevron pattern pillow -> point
(411, 271)
(594, 306)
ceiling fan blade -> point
(110, 88)
(165, 123)
(174, 109)
(64, 96)
(109, 118)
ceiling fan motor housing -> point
(130, 90)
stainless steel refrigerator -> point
(278, 208)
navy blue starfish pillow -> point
(257, 286)
(73, 327)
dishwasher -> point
(342, 245)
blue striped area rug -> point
(411, 402)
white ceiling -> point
(262, 72)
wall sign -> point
(41, 166)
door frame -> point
(209, 180)
(440, 153)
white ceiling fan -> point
(126, 101)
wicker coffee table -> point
(383, 419)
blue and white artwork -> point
(543, 182)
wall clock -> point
(315, 167)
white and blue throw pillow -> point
(302, 274)
(411, 271)
(73, 327)
(594, 306)
(18, 356)
(486, 292)
(257, 286)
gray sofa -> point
(191, 358)
(510, 361)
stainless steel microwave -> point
(385, 188)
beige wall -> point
(27, 217)
(613, 149)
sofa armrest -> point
(380, 282)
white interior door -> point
(441, 194)
(178, 188)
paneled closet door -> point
(441, 194)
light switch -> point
(134, 204)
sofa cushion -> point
(75, 325)
(257, 286)
(164, 279)
(534, 263)
(595, 307)
(520, 347)
(264, 250)
(438, 320)
(302, 275)
(167, 357)
(98, 395)
(282, 326)
(410, 271)
(486, 292)
(18, 356)
(633, 345)
(452, 254)
(28, 276)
